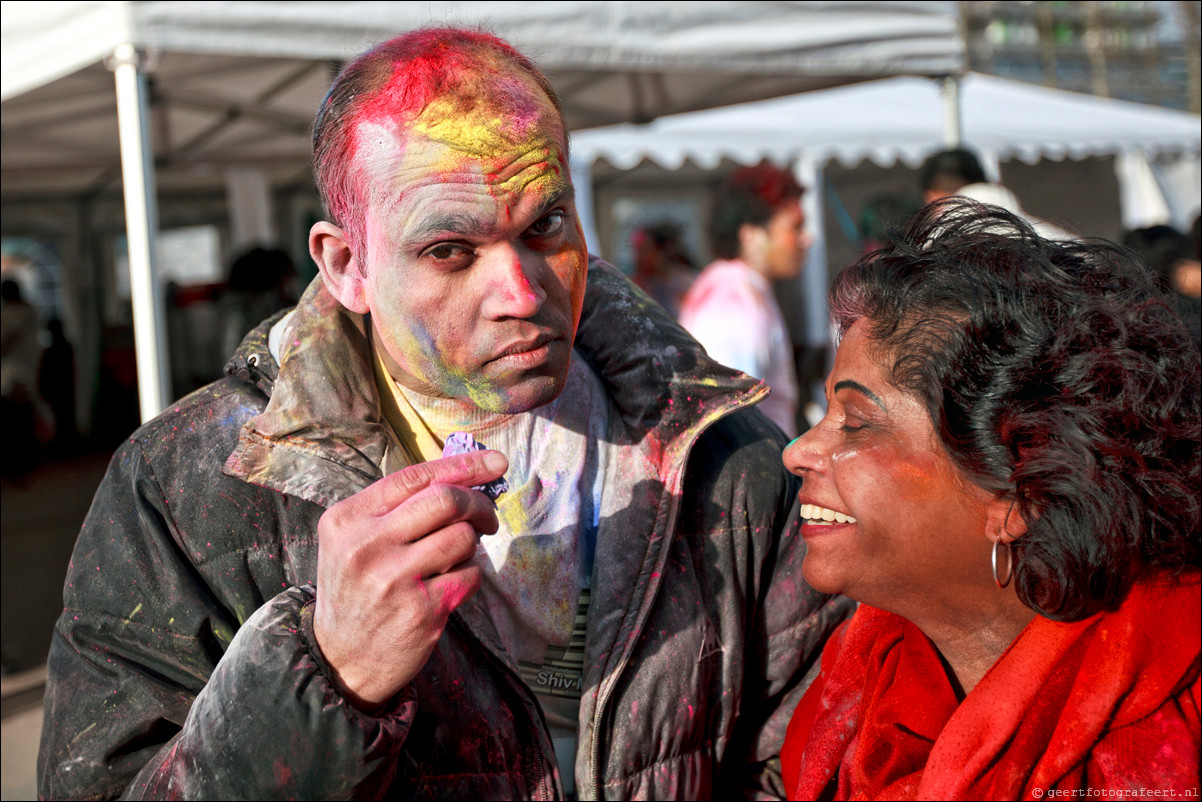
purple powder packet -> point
(464, 443)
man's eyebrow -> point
(446, 224)
(464, 225)
(565, 193)
(848, 384)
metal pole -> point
(950, 85)
(141, 230)
(810, 173)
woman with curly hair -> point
(1007, 479)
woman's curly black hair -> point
(1057, 377)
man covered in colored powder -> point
(759, 237)
(285, 590)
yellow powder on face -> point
(476, 134)
(486, 132)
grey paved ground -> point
(19, 734)
(39, 520)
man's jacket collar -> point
(322, 437)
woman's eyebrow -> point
(848, 384)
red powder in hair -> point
(468, 90)
(770, 184)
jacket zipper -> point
(599, 715)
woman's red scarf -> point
(1111, 702)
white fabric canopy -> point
(823, 43)
(899, 119)
(238, 83)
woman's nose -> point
(805, 454)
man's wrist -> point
(367, 706)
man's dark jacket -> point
(184, 664)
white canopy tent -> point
(232, 85)
(900, 120)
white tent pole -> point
(950, 86)
(990, 164)
(1141, 201)
(141, 230)
(811, 175)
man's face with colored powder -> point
(474, 262)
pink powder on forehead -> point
(468, 85)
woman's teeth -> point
(815, 514)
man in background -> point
(959, 172)
(19, 355)
(759, 236)
(1173, 258)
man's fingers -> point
(465, 470)
(441, 552)
(435, 507)
(456, 586)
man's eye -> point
(549, 224)
(446, 250)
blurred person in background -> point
(261, 282)
(959, 172)
(882, 211)
(661, 267)
(56, 383)
(1173, 259)
(1007, 481)
(292, 584)
(19, 355)
(759, 236)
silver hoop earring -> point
(1002, 583)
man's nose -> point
(515, 285)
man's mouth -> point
(813, 514)
(531, 350)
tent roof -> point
(898, 119)
(237, 83)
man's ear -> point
(1003, 521)
(340, 268)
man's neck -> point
(444, 416)
(757, 265)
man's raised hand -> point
(393, 562)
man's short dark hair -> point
(415, 68)
(752, 195)
(1160, 248)
(949, 170)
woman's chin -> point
(819, 576)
